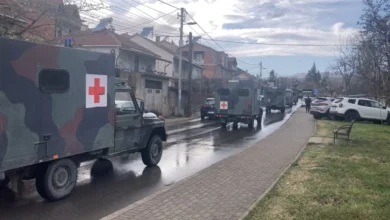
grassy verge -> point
(335, 181)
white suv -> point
(320, 107)
(360, 109)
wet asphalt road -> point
(126, 180)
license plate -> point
(210, 112)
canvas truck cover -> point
(237, 97)
(54, 102)
(274, 96)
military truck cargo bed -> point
(61, 106)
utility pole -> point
(182, 18)
(189, 93)
(261, 69)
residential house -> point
(244, 75)
(215, 63)
(168, 51)
(38, 20)
(134, 62)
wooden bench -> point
(344, 130)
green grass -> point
(349, 181)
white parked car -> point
(320, 107)
(360, 109)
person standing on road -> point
(308, 104)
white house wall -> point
(159, 51)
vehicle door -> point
(364, 108)
(378, 111)
(128, 121)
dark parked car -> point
(207, 109)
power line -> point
(213, 39)
(140, 3)
(126, 14)
(276, 44)
(157, 19)
(168, 4)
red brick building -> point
(215, 64)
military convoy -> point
(238, 101)
(275, 99)
(62, 106)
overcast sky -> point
(313, 22)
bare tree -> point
(38, 20)
(345, 63)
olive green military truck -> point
(238, 101)
(275, 99)
(60, 107)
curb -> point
(133, 205)
(272, 186)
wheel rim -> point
(155, 150)
(61, 177)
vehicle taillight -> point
(340, 105)
(204, 106)
(161, 117)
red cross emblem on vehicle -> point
(223, 105)
(96, 91)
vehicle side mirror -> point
(384, 107)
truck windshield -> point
(243, 92)
(223, 91)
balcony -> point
(198, 61)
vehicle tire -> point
(388, 120)
(57, 180)
(235, 125)
(352, 115)
(377, 122)
(251, 124)
(4, 182)
(202, 117)
(282, 110)
(151, 155)
(223, 125)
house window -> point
(199, 56)
(54, 81)
(152, 84)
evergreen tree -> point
(313, 76)
(272, 76)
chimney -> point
(157, 39)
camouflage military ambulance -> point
(275, 99)
(62, 106)
(238, 101)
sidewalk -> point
(228, 188)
